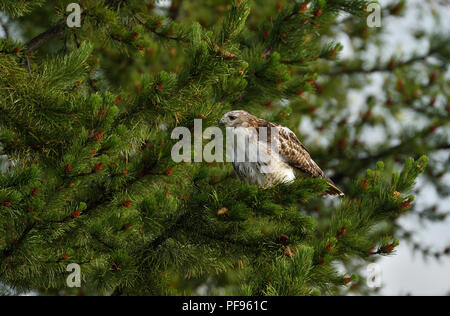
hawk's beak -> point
(221, 122)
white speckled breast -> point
(266, 171)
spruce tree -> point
(86, 116)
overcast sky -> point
(406, 272)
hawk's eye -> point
(232, 118)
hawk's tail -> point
(334, 190)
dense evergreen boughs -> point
(85, 120)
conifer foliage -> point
(86, 116)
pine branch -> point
(154, 31)
(382, 68)
(10, 251)
(53, 33)
(4, 28)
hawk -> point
(285, 154)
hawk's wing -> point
(296, 155)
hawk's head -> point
(238, 119)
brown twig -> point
(45, 37)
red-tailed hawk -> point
(283, 155)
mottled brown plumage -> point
(289, 152)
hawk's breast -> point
(256, 164)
